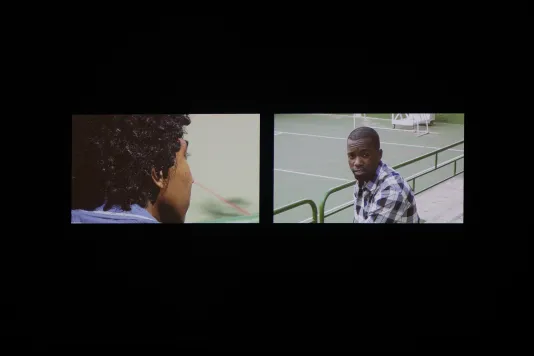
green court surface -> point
(225, 163)
(310, 158)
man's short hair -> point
(365, 132)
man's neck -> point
(364, 181)
(151, 208)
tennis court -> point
(225, 163)
(310, 158)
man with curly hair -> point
(130, 169)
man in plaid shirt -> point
(381, 195)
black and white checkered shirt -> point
(386, 199)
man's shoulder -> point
(392, 181)
(113, 216)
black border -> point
(265, 286)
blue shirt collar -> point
(135, 210)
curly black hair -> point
(113, 157)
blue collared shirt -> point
(115, 215)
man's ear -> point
(157, 178)
(380, 153)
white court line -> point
(309, 135)
(378, 127)
(333, 116)
(381, 142)
(448, 123)
(312, 175)
(401, 130)
(277, 133)
(438, 122)
(342, 116)
(376, 118)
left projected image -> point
(132, 169)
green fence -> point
(297, 204)
(322, 214)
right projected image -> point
(369, 168)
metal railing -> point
(299, 203)
(337, 209)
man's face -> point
(363, 158)
(174, 198)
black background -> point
(266, 287)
